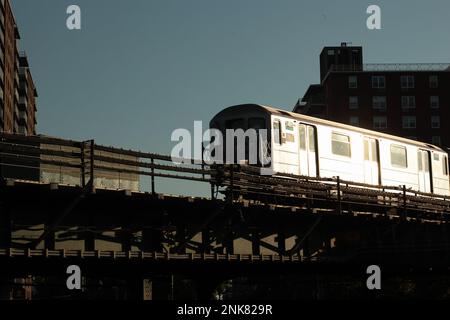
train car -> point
(309, 146)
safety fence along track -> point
(46, 160)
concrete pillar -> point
(281, 239)
(5, 226)
(206, 240)
(256, 242)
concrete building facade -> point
(17, 91)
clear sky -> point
(139, 69)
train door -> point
(371, 161)
(423, 158)
(307, 150)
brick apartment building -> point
(409, 100)
(17, 91)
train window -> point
(340, 145)
(370, 150)
(445, 165)
(256, 123)
(436, 156)
(235, 124)
(276, 131)
(426, 161)
(366, 150)
(289, 126)
(373, 146)
(302, 135)
(312, 141)
(399, 156)
(419, 160)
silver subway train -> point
(308, 146)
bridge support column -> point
(229, 243)
(206, 287)
(180, 237)
(5, 226)
(149, 288)
(163, 287)
(89, 240)
(256, 242)
(444, 239)
(281, 240)
(306, 249)
(135, 288)
(125, 239)
(206, 240)
(49, 240)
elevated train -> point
(309, 146)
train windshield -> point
(235, 124)
(252, 145)
(256, 123)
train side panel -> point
(284, 142)
(400, 172)
(346, 165)
(343, 152)
(440, 173)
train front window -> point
(256, 123)
(235, 124)
(262, 149)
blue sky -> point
(139, 69)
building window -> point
(409, 122)
(434, 102)
(435, 122)
(354, 121)
(445, 165)
(407, 82)
(379, 122)
(378, 82)
(340, 144)
(399, 157)
(353, 82)
(408, 102)
(353, 102)
(379, 102)
(436, 140)
(434, 82)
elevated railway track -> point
(64, 201)
(59, 194)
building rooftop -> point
(392, 67)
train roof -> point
(314, 120)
